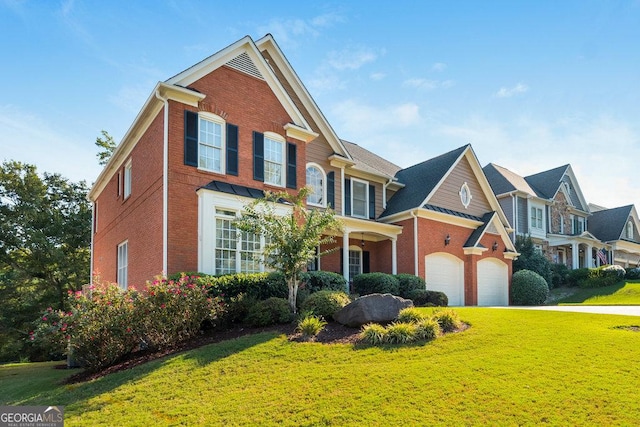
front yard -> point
(512, 367)
(624, 293)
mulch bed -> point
(332, 333)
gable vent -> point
(244, 64)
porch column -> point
(589, 260)
(394, 256)
(574, 256)
(345, 257)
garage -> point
(493, 282)
(445, 273)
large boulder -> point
(376, 308)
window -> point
(127, 179)
(314, 265)
(465, 195)
(315, 181)
(536, 218)
(577, 224)
(359, 198)
(355, 263)
(235, 251)
(210, 145)
(123, 264)
(630, 230)
(273, 161)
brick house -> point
(214, 137)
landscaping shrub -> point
(424, 298)
(633, 273)
(314, 281)
(235, 310)
(408, 283)
(528, 288)
(427, 330)
(401, 333)
(173, 311)
(559, 275)
(374, 334)
(577, 277)
(372, 283)
(254, 285)
(411, 315)
(311, 325)
(531, 259)
(607, 275)
(325, 303)
(270, 312)
(105, 327)
(448, 320)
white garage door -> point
(493, 282)
(445, 273)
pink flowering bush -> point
(173, 310)
(108, 323)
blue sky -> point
(531, 85)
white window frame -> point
(366, 198)
(537, 217)
(245, 252)
(202, 145)
(123, 265)
(630, 230)
(323, 185)
(352, 250)
(465, 195)
(272, 137)
(127, 179)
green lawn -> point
(624, 293)
(512, 367)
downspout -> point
(344, 201)
(384, 193)
(165, 185)
(415, 243)
(93, 232)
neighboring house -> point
(213, 138)
(618, 228)
(550, 207)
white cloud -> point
(427, 84)
(506, 92)
(131, 98)
(351, 58)
(288, 31)
(439, 67)
(377, 76)
(49, 149)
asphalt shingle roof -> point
(608, 225)
(370, 162)
(546, 183)
(502, 180)
(419, 180)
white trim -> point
(366, 197)
(165, 183)
(127, 179)
(93, 231)
(274, 137)
(324, 184)
(119, 267)
(214, 118)
(465, 195)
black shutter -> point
(347, 197)
(331, 192)
(366, 264)
(232, 149)
(258, 156)
(291, 165)
(372, 201)
(190, 138)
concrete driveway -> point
(628, 310)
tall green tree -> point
(107, 146)
(45, 234)
(293, 238)
(531, 258)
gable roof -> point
(420, 180)
(369, 162)
(503, 181)
(547, 183)
(609, 224)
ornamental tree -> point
(291, 239)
